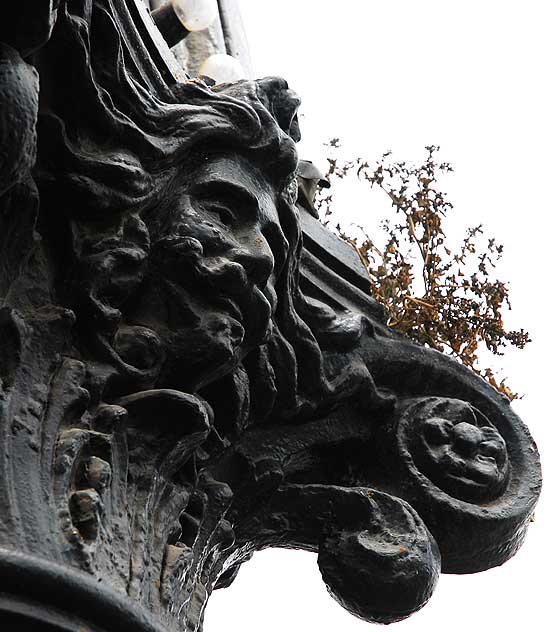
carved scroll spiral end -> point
(386, 571)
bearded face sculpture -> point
(210, 291)
(188, 382)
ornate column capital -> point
(192, 370)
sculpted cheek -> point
(212, 237)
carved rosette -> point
(186, 378)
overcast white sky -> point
(477, 78)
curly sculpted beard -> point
(206, 311)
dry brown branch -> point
(459, 306)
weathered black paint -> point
(187, 376)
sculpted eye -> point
(220, 211)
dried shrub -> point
(447, 299)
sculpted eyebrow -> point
(227, 191)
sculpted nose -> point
(256, 258)
(466, 438)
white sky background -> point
(477, 78)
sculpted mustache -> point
(184, 258)
(222, 274)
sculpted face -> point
(458, 449)
(215, 253)
(467, 458)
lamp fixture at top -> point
(195, 15)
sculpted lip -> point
(251, 301)
(230, 307)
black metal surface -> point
(190, 373)
(171, 27)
